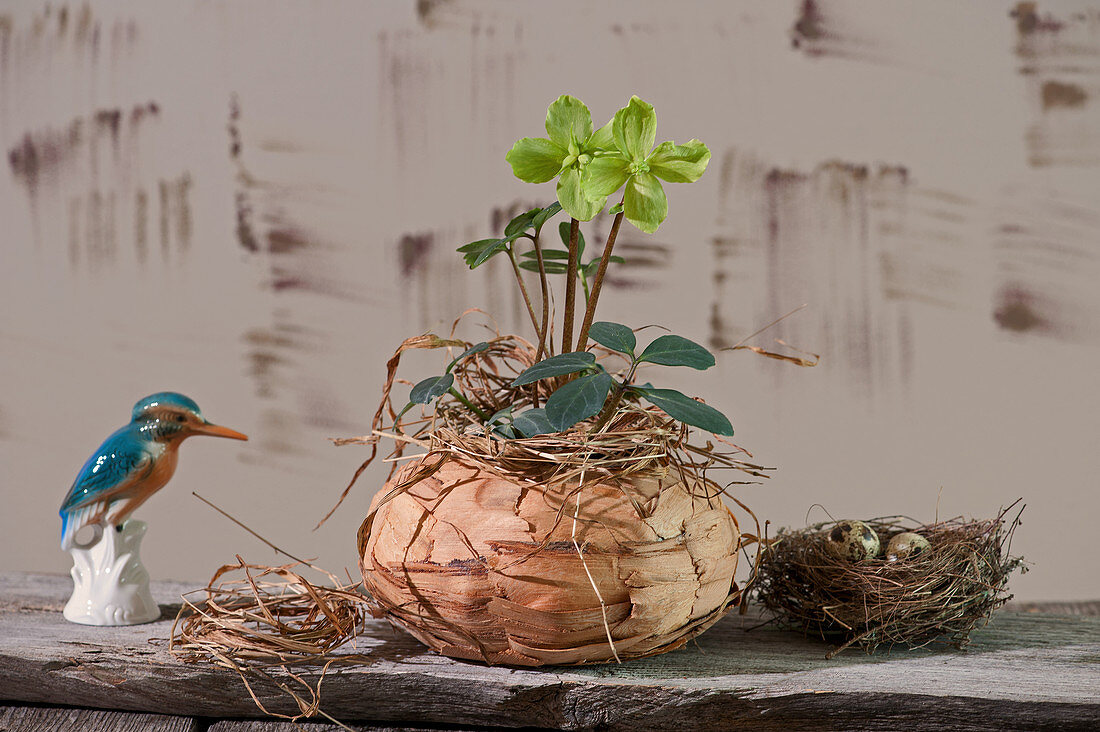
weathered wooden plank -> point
(1034, 670)
(52, 719)
(1083, 607)
(255, 725)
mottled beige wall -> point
(254, 202)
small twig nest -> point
(938, 595)
(257, 619)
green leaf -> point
(615, 336)
(547, 254)
(635, 129)
(431, 388)
(545, 214)
(590, 268)
(476, 260)
(476, 348)
(507, 431)
(521, 223)
(535, 159)
(567, 121)
(605, 175)
(533, 422)
(645, 203)
(573, 199)
(503, 415)
(563, 231)
(513, 236)
(679, 163)
(474, 249)
(603, 139)
(560, 365)
(616, 209)
(594, 264)
(687, 410)
(673, 350)
(577, 400)
(548, 267)
(476, 246)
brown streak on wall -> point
(1057, 94)
(839, 238)
(141, 225)
(1029, 20)
(1018, 310)
(1059, 62)
(1047, 266)
(413, 252)
(822, 30)
(164, 218)
(286, 238)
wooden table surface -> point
(1032, 667)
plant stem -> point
(523, 289)
(545, 286)
(545, 300)
(590, 310)
(466, 402)
(570, 288)
(613, 403)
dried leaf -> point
(779, 356)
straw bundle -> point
(936, 596)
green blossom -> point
(634, 162)
(571, 147)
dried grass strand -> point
(592, 580)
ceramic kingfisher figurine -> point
(112, 587)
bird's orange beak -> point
(216, 430)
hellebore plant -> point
(590, 165)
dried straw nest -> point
(578, 547)
(256, 619)
(935, 596)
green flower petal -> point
(568, 120)
(645, 203)
(572, 198)
(679, 163)
(535, 159)
(605, 175)
(635, 129)
(602, 139)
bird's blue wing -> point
(121, 459)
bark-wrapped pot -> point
(496, 569)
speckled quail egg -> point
(906, 544)
(852, 540)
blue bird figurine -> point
(133, 464)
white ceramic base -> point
(111, 587)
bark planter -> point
(496, 569)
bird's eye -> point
(180, 418)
